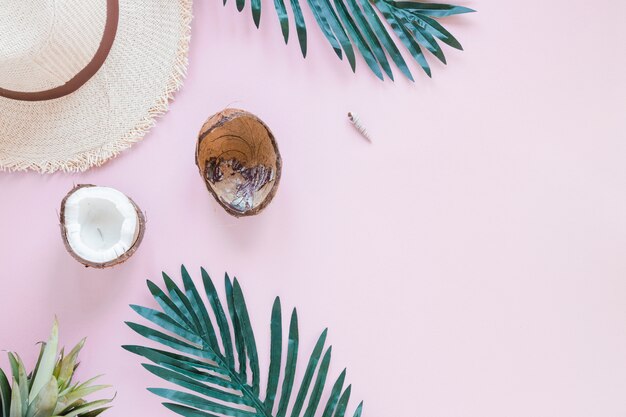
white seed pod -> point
(356, 121)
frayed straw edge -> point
(95, 158)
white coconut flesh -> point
(101, 224)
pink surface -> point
(468, 263)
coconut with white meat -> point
(100, 226)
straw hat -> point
(82, 80)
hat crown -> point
(46, 43)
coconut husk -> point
(123, 257)
(238, 159)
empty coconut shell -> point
(239, 161)
(100, 226)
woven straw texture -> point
(114, 109)
(49, 41)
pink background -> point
(471, 262)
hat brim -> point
(114, 109)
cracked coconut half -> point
(101, 227)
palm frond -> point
(355, 24)
(212, 357)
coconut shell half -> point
(239, 161)
(133, 236)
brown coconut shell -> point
(123, 257)
(234, 134)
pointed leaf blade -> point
(161, 357)
(240, 343)
(385, 38)
(372, 39)
(165, 322)
(200, 309)
(339, 31)
(187, 411)
(169, 341)
(68, 364)
(248, 335)
(433, 9)
(48, 361)
(201, 403)
(281, 12)
(195, 385)
(182, 302)
(320, 17)
(343, 402)
(300, 25)
(318, 387)
(276, 347)
(16, 401)
(405, 36)
(19, 373)
(358, 38)
(46, 401)
(5, 395)
(333, 399)
(290, 365)
(220, 316)
(436, 29)
(168, 306)
(308, 374)
(256, 12)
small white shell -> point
(356, 121)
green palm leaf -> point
(213, 361)
(355, 24)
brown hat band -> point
(84, 75)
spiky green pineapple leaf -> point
(20, 380)
(348, 25)
(81, 385)
(16, 400)
(45, 402)
(47, 363)
(48, 390)
(86, 408)
(95, 413)
(70, 399)
(33, 374)
(213, 360)
(5, 395)
(68, 365)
